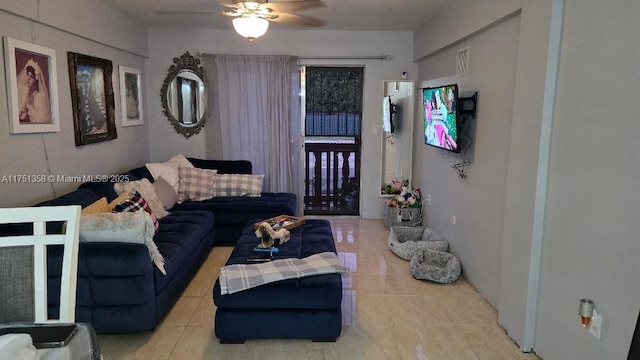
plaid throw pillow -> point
(133, 203)
(238, 185)
(195, 184)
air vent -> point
(462, 62)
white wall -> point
(590, 247)
(164, 44)
(478, 201)
(24, 154)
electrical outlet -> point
(595, 326)
(376, 129)
(427, 199)
(453, 220)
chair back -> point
(37, 243)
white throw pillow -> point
(125, 227)
(128, 227)
(169, 170)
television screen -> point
(441, 123)
(387, 114)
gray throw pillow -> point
(166, 193)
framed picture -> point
(131, 96)
(32, 87)
(92, 98)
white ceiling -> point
(365, 15)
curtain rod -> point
(378, 57)
(375, 57)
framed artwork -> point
(32, 87)
(92, 98)
(131, 96)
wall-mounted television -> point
(388, 110)
(441, 118)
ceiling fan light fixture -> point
(250, 26)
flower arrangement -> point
(395, 187)
(407, 198)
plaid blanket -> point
(238, 277)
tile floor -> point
(387, 314)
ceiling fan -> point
(251, 18)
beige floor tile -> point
(432, 342)
(364, 309)
(364, 283)
(415, 310)
(205, 313)
(363, 343)
(405, 284)
(182, 311)
(200, 342)
(201, 283)
(285, 349)
(492, 343)
(155, 345)
(387, 314)
(470, 310)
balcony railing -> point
(332, 176)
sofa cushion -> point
(195, 184)
(180, 235)
(238, 185)
(128, 227)
(141, 173)
(224, 166)
(238, 210)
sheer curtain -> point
(256, 115)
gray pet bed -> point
(436, 266)
(405, 241)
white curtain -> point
(256, 115)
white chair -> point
(39, 240)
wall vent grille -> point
(462, 62)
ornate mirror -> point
(184, 95)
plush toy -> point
(268, 236)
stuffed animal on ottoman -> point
(268, 236)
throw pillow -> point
(166, 194)
(238, 185)
(169, 169)
(135, 202)
(100, 206)
(147, 191)
(195, 184)
(119, 199)
(126, 227)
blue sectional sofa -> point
(119, 290)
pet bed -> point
(436, 266)
(406, 241)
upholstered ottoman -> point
(436, 266)
(405, 241)
(306, 308)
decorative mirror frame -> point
(184, 62)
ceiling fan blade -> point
(299, 20)
(185, 12)
(293, 6)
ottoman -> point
(304, 308)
